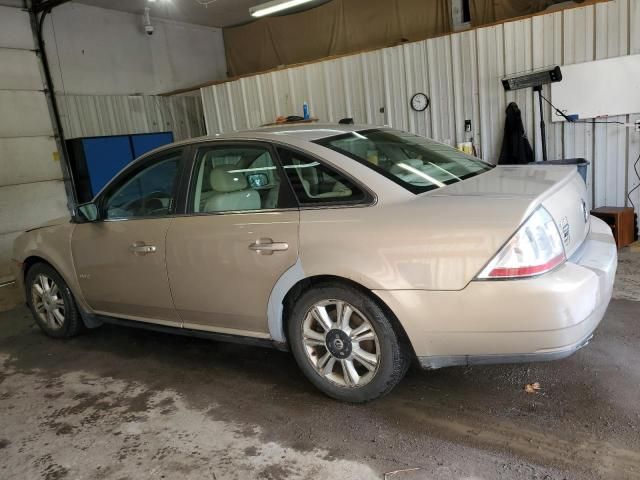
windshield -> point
(416, 163)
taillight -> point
(536, 248)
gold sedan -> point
(359, 249)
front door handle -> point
(140, 248)
(266, 246)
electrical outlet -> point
(637, 125)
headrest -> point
(223, 181)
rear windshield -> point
(416, 163)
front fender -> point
(53, 245)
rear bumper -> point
(543, 318)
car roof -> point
(306, 132)
(300, 131)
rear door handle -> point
(140, 248)
(266, 246)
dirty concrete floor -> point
(121, 403)
(627, 284)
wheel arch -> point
(283, 298)
(30, 261)
(34, 259)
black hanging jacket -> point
(516, 149)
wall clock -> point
(420, 102)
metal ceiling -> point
(219, 13)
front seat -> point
(230, 192)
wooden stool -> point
(621, 220)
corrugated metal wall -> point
(31, 186)
(461, 73)
(97, 115)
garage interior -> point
(86, 86)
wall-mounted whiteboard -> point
(597, 89)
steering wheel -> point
(149, 204)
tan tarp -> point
(484, 12)
(335, 28)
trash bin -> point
(580, 163)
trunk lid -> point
(559, 189)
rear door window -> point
(237, 178)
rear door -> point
(239, 235)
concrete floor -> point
(121, 403)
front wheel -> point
(51, 302)
(345, 344)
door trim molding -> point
(190, 332)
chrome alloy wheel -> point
(341, 343)
(47, 301)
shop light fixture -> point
(274, 6)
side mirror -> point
(87, 212)
(258, 180)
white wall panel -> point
(633, 169)
(297, 90)
(492, 96)
(373, 85)
(29, 200)
(24, 114)
(251, 102)
(31, 189)
(98, 115)
(185, 115)
(15, 31)
(353, 80)
(546, 32)
(28, 159)
(270, 94)
(440, 71)
(20, 70)
(461, 73)
(610, 141)
(466, 87)
(396, 95)
(239, 118)
(518, 57)
(579, 47)
(335, 90)
(101, 51)
(417, 71)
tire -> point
(323, 353)
(67, 322)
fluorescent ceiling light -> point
(275, 6)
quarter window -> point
(236, 178)
(150, 192)
(315, 183)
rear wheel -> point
(345, 344)
(51, 302)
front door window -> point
(149, 192)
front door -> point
(239, 236)
(120, 259)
